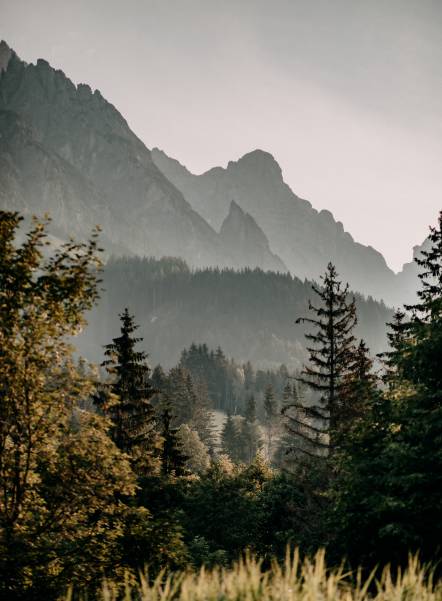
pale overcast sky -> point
(346, 94)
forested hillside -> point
(250, 313)
(103, 473)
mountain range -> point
(66, 150)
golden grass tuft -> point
(293, 580)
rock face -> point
(67, 151)
(246, 242)
(407, 280)
(305, 239)
(5, 55)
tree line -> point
(248, 313)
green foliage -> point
(270, 419)
(251, 434)
(223, 507)
(129, 406)
(72, 511)
(195, 451)
(388, 493)
(173, 459)
(231, 440)
(156, 544)
(330, 363)
(60, 475)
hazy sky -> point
(346, 94)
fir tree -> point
(173, 459)
(230, 442)
(159, 378)
(251, 436)
(331, 356)
(397, 342)
(360, 389)
(132, 413)
(179, 396)
(249, 376)
(202, 418)
(270, 419)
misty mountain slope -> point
(116, 182)
(250, 314)
(302, 237)
(407, 280)
(67, 151)
(246, 243)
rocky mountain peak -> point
(246, 241)
(5, 55)
(238, 222)
(257, 161)
(236, 209)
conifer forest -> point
(112, 470)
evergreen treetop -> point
(131, 413)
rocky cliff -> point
(246, 242)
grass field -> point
(292, 581)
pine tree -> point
(179, 396)
(202, 418)
(397, 342)
(270, 419)
(331, 356)
(230, 441)
(132, 413)
(173, 459)
(394, 464)
(251, 436)
(422, 363)
(159, 378)
(359, 390)
(249, 376)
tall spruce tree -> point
(359, 390)
(173, 459)
(231, 440)
(132, 413)
(331, 356)
(397, 342)
(202, 417)
(179, 396)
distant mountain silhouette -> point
(246, 242)
(66, 150)
(304, 238)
